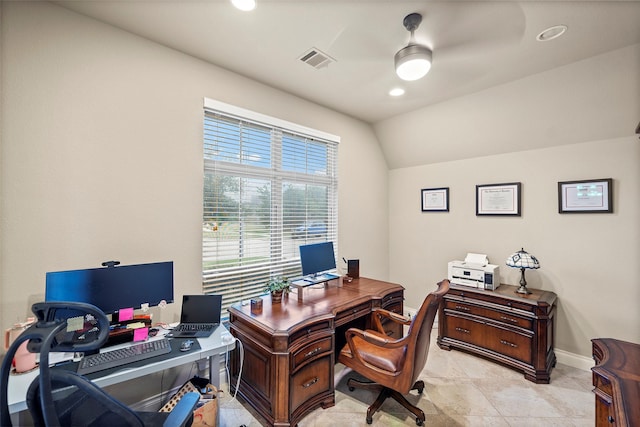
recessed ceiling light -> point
(398, 91)
(551, 33)
(245, 5)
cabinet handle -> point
(462, 308)
(510, 344)
(312, 352)
(509, 319)
(310, 383)
(464, 331)
(610, 419)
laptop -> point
(200, 316)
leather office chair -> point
(393, 365)
(82, 403)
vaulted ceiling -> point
(476, 44)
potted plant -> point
(277, 286)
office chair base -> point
(385, 392)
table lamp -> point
(522, 260)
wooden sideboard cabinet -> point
(510, 328)
(616, 378)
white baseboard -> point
(574, 360)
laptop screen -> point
(201, 308)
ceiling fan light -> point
(413, 62)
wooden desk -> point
(616, 378)
(290, 348)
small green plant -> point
(277, 284)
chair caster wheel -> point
(369, 420)
(419, 422)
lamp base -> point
(523, 284)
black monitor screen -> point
(113, 288)
(317, 258)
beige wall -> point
(101, 154)
(589, 260)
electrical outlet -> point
(410, 312)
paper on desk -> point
(479, 259)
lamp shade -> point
(523, 259)
(413, 62)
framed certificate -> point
(587, 196)
(435, 199)
(498, 199)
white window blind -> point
(269, 187)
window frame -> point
(257, 275)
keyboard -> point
(192, 327)
(123, 356)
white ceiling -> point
(476, 44)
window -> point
(269, 187)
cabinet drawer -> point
(465, 330)
(508, 343)
(359, 310)
(309, 381)
(492, 298)
(310, 351)
(506, 318)
(505, 342)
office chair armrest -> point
(182, 412)
(372, 337)
(377, 313)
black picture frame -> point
(498, 199)
(435, 199)
(586, 196)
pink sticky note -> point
(140, 334)
(125, 314)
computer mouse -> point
(186, 345)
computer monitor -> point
(113, 288)
(317, 258)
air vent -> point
(316, 58)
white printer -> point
(475, 271)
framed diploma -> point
(435, 199)
(587, 196)
(498, 199)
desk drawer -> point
(311, 351)
(311, 380)
(391, 301)
(350, 314)
(315, 328)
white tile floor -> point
(461, 390)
